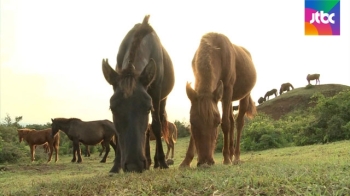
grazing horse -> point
(286, 87)
(143, 79)
(261, 100)
(310, 77)
(87, 133)
(223, 72)
(170, 141)
(269, 93)
(41, 137)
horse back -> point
(245, 73)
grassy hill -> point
(297, 99)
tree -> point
(8, 121)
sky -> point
(51, 51)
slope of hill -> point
(299, 98)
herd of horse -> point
(142, 80)
(287, 87)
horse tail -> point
(165, 128)
(251, 111)
(292, 86)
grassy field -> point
(309, 170)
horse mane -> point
(128, 76)
(66, 120)
(204, 75)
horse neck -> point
(64, 126)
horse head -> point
(205, 119)
(130, 105)
(55, 127)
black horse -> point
(87, 133)
(143, 79)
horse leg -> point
(78, 150)
(191, 150)
(148, 150)
(232, 136)
(117, 160)
(56, 150)
(32, 152)
(227, 114)
(243, 107)
(106, 144)
(74, 152)
(157, 119)
(103, 148)
(168, 152)
(172, 151)
(51, 151)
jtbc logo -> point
(316, 17)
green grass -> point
(308, 170)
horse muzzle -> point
(137, 167)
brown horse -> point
(223, 71)
(310, 77)
(41, 137)
(286, 87)
(261, 100)
(143, 79)
(269, 93)
(87, 133)
(170, 141)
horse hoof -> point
(102, 161)
(227, 162)
(170, 162)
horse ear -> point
(148, 74)
(110, 75)
(191, 94)
(217, 93)
(51, 120)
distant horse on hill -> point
(269, 93)
(316, 77)
(41, 137)
(286, 87)
(223, 72)
(87, 133)
(261, 100)
(142, 81)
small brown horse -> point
(261, 100)
(310, 77)
(223, 71)
(87, 133)
(142, 81)
(286, 87)
(41, 137)
(170, 141)
(269, 93)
